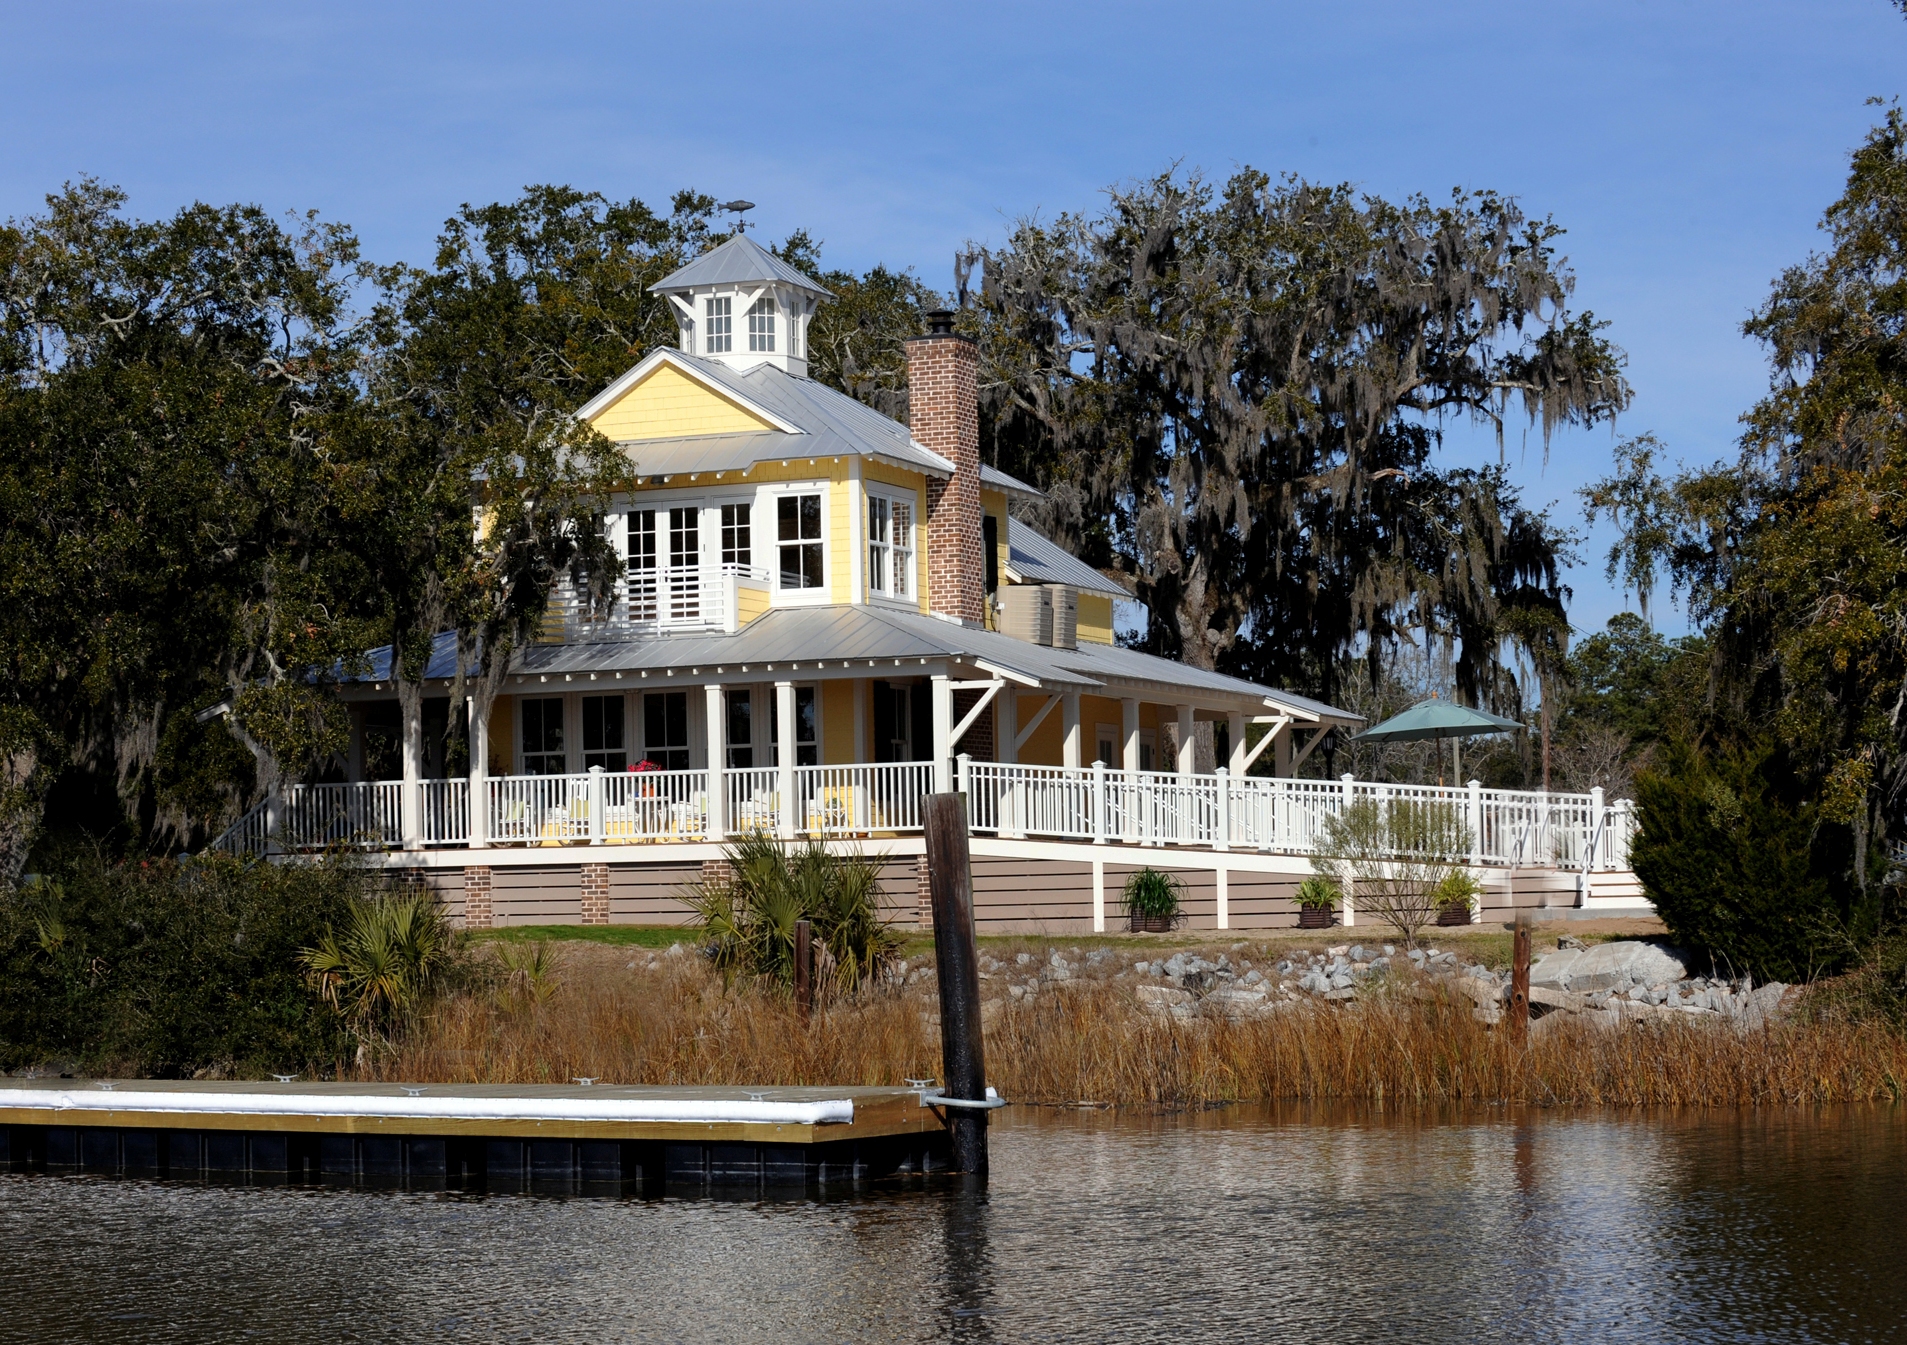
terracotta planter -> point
(1453, 915)
(1316, 917)
(1152, 924)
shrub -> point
(1743, 868)
(1391, 856)
(167, 968)
(751, 917)
(1154, 895)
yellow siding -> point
(750, 602)
(669, 403)
(837, 723)
(1047, 746)
(1095, 618)
(842, 503)
(503, 736)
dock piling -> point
(1520, 981)
(804, 969)
(962, 1052)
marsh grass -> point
(1091, 1042)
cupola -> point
(742, 305)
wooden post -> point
(962, 1053)
(1520, 981)
(804, 969)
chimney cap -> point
(940, 322)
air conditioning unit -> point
(1065, 615)
(1045, 614)
(1026, 613)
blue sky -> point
(1688, 148)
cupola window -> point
(761, 325)
(718, 329)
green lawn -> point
(626, 936)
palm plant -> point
(750, 916)
(394, 953)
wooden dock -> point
(551, 1138)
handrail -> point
(1217, 811)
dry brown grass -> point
(1091, 1042)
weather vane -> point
(738, 207)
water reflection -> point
(1228, 1225)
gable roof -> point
(1033, 559)
(812, 420)
(739, 261)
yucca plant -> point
(750, 918)
(394, 953)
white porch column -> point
(1069, 718)
(942, 694)
(1129, 781)
(479, 776)
(1235, 731)
(1224, 899)
(717, 716)
(1188, 755)
(785, 755)
(411, 804)
(1099, 896)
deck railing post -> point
(1476, 823)
(1222, 839)
(1099, 803)
(1592, 858)
(596, 805)
(963, 778)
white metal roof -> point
(1034, 559)
(739, 261)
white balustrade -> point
(1508, 827)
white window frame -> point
(899, 564)
(768, 508)
(761, 325)
(718, 330)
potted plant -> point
(1456, 898)
(1153, 900)
(1317, 903)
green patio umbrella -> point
(1435, 719)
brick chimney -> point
(943, 400)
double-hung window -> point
(761, 325)
(665, 729)
(543, 736)
(807, 729)
(718, 326)
(741, 729)
(890, 547)
(737, 547)
(798, 536)
(602, 734)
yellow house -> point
(825, 615)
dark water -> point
(1573, 1227)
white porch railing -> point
(662, 598)
(1508, 827)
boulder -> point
(1551, 971)
(1619, 965)
(1161, 995)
